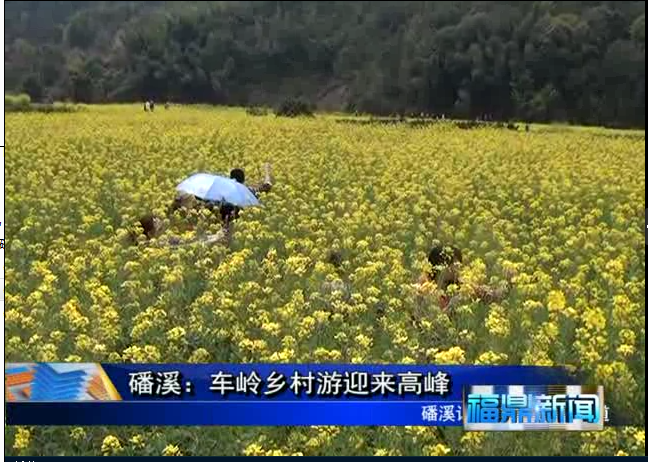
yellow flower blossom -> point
(171, 450)
(200, 355)
(490, 357)
(454, 355)
(497, 323)
(436, 450)
(473, 439)
(625, 350)
(22, 439)
(254, 449)
(137, 441)
(78, 433)
(111, 445)
(556, 301)
(176, 334)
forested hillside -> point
(572, 61)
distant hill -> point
(571, 61)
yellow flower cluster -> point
(436, 450)
(22, 439)
(629, 441)
(454, 355)
(496, 322)
(549, 212)
(111, 445)
(490, 357)
(171, 450)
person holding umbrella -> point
(192, 192)
(206, 190)
(238, 175)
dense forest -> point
(580, 62)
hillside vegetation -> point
(574, 61)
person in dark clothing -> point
(238, 175)
(446, 262)
(265, 186)
(151, 226)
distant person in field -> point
(446, 262)
(152, 225)
(147, 106)
(152, 105)
(341, 284)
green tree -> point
(574, 61)
(33, 86)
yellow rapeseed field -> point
(560, 209)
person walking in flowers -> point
(445, 275)
(153, 226)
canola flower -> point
(78, 433)
(137, 441)
(472, 440)
(22, 439)
(111, 445)
(436, 450)
(552, 212)
(171, 450)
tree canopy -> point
(580, 62)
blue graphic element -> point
(530, 407)
(253, 394)
(17, 369)
(560, 408)
(201, 378)
(269, 413)
(51, 385)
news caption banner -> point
(300, 394)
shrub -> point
(294, 107)
(256, 111)
(22, 103)
(17, 102)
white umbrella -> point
(218, 189)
